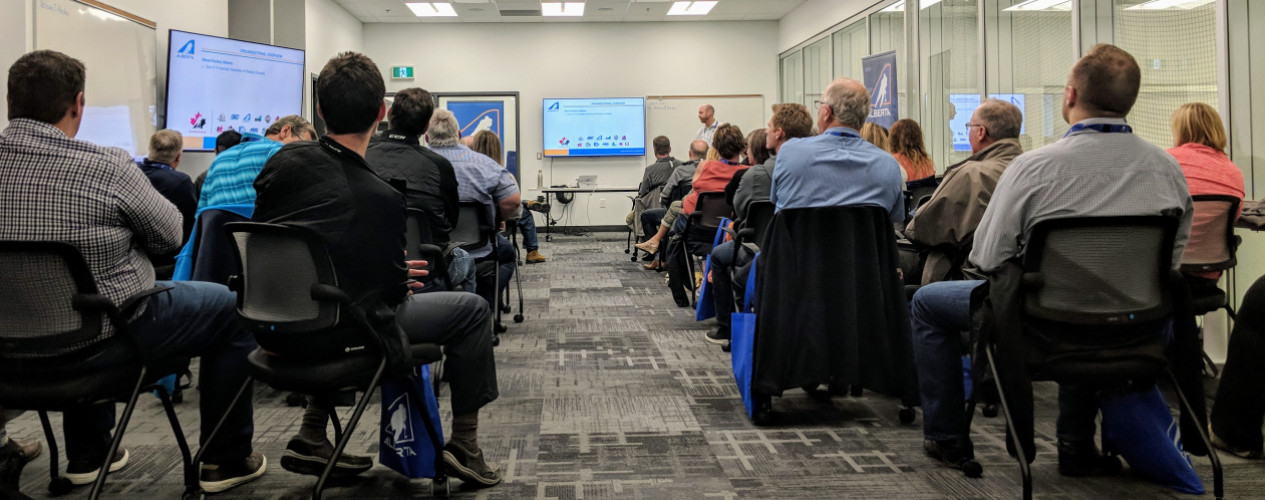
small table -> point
(551, 191)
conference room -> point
(631, 248)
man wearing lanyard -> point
(707, 115)
(1098, 169)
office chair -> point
(700, 230)
(288, 296)
(1212, 248)
(1089, 300)
(53, 341)
(476, 229)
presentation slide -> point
(216, 84)
(595, 127)
(965, 105)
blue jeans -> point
(461, 271)
(527, 226)
(191, 320)
(940, 316)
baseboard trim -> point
(588, 229)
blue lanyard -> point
(1106, 128)
(727, 162)
(844, 133)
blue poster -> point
(880, 80)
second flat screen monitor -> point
(594, 127)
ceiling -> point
(602, 11)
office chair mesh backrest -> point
(37, 316)
(473, 230)
(1099, 270)
(278, 270)
(759, 217)
(416, 232)
(1211, 233)
(712, 207)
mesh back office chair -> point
(700, 231)
(752, 233)
(1110, 275)
(53, 351)
(476, 229)
(1212, 247)
(288, 296)
(511, 229)
(419, 242)
(918, 193)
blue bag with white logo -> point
(742, 342)
(1139, 426)
(706, 305)
(405, 445)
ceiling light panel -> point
(431, 9)
(695, 8)
(572, 9)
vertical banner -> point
(880, 80)
(475, 116)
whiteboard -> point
(677, 118)
(119, 55)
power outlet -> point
(601, 203)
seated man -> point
(674, 190)
(1099, 168)
(480, 179)
(165, 152)
(654, 179)
(230, 178)
(53, 187)
(429, 181)
(946, 223)
(789, 121)
(329, 188)
(223, 142)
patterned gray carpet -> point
(609, 391)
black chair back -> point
(475, 228)
(712, 207)
(1099, 270)
(919, 192)
(759, 216)
(679, 191)
(280, 266)
(1212, 242)
(41, 302)
(416, 232)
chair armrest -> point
(745, 234)
(235, 283)
(426, 353)
(730, 231)
(330, 293)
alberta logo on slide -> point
(187, 48)
(554, 107)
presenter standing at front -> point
(707, 115)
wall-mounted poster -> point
(880, 80)
(495, 112)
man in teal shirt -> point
(230, 180)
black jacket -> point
(430, 183)
(830, 305)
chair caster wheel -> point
(906, 416)
(440, 488)
(499, 328)
(972, 469)
(634, 258)
(727, 347)
(192, 494)
(989, 410)
(496, 340)
(627, 250)
(518, 318)
(59, 486)
(506, 309)
(177, 396)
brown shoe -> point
(534, 257)
(654, 265)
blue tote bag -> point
(706, 307)
(1140, 428)
(742, 341)
(406, 446)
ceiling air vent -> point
(520, 13)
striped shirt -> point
(480, 179)
(230, 180)
(53, 187)
(1086, 174)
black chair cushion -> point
(107, 375)
(1206, 300)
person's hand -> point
(416, 269)
(502, 226)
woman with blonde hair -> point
(1199, 143)
(876, 135)
(487, 143)
(910, 150)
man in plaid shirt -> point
(53, 187)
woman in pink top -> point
(910, 150)
(1200, 142)
(711, 175)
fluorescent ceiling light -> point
(431, 9)
(1169, 4)
(562, 9)
(696, 8)
(1034, 5)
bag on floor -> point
(706, 306)
(742, 342)
(1139, 427)
(406, 446)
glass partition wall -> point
(948, 36)
(1028, 53)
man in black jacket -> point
(397, 155)
(328, 188)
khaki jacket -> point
(948, 220)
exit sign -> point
(402, 72)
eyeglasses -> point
(817, 104)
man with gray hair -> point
(838, 167)
(946, 223)
(230, 180)
(165, 151)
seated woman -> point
(652, 245)
(910, 151)
(1199, 142)
(488, 144)
(877, 135)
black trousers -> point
(462, 323)
(1239, 409)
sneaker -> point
(1220, 444)
(469, 466)
(216, 478)
(949, 452)
(718, 336)
(305, 457)
(538, 206)
(1083, 459)
(534, 257)
(81, 473)
(14, 455)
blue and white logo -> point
(187, 48)
(554, 107)
(401, 425)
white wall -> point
(200, 16)
(541, 60)
(813, 17)
(329, 30)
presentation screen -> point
(216, 84)
(595, 127)
(965, 105)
